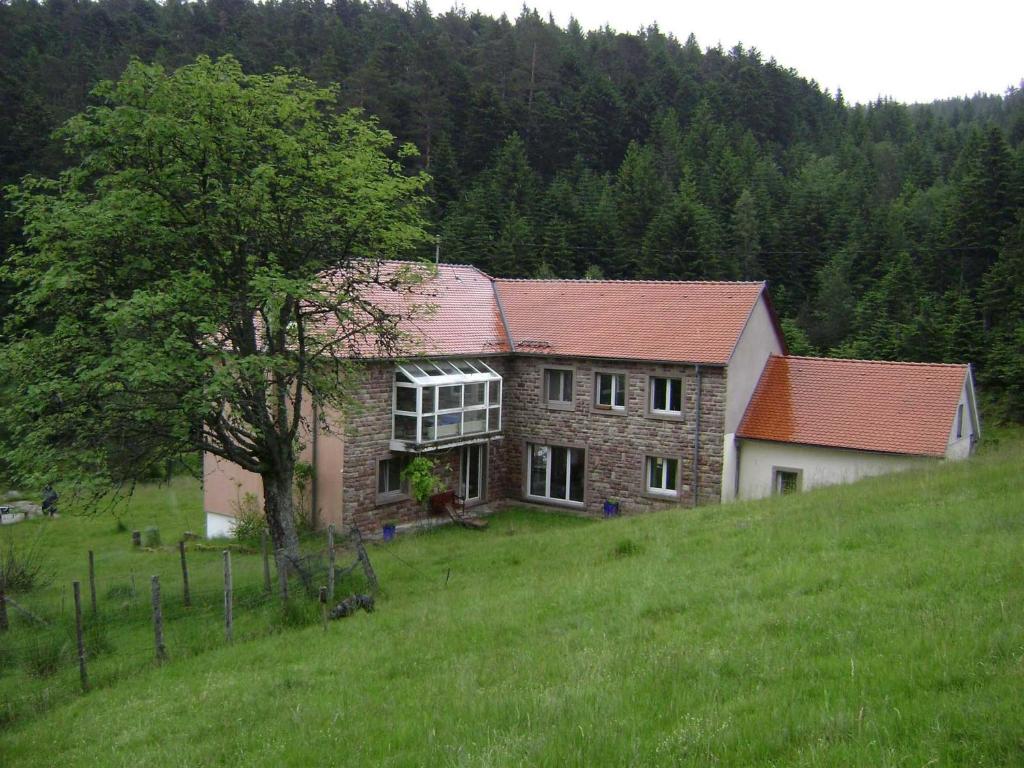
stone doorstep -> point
(436, 521)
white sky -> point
(908, 50)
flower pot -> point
(389, 532)
(611, 509)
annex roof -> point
(691, 322)
(861, 404)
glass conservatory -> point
(438, 403)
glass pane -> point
(405, 427)
(430, 369)
(576, 476)
(405, 399)
(449, 397)
(567, 386)
(659, 398)
(474, 422)
(428, 428)
(448, 424)
(676, 401)
(620, 391)
(653, 473)
(538, 470)
(447, 367)
(474, 395)
(428, 400)
(559, 470)
(551, 385)
(382, 476)
(464, 366)
(495, 393)
(604, 389)
(400, 376)
(494, 419)
(671, 472)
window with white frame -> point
(437, 400)
(662, 476)
(785, 481)
(666, 396)
(558, 386)
(610, 391)
(389, 476)
(555, 473)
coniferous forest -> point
(886, 230)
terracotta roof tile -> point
(694, 322)
(861, 404)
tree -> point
(200, 276)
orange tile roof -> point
(693, 322)
(862, 404)
(451, 313)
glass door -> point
(473, 471)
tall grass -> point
(879, 624)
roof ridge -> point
(620, 282)
(872, 362)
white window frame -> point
(620, 386)
(670, 382)
(547, 475)
(663, 490)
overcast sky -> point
(908, 50)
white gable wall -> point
(818, 466)
(961, 447)
(757, 342)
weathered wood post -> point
(158, 620)
(323, 606)
(184, 574)
(282, 573)
(92, 582)
(79, 635)
(330, 561)
(133, 588)
(265, 546)
(228, 618)
(364, 560)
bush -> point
(21, 567)
(151, 537)
(250, 524)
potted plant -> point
(421, 475)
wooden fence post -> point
(133, 588)
(228, 619)
(330, 562)
(3, 604)
(184, 573)
(282, 573)
(158, 620)
(92, 582)
(265, 545)
(79, 637)
(364, 559)
(323, 606)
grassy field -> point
(879, 624)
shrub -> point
(423, 481)
(250, 524)
(151, 536)
(21, 567)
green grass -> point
(878, 624)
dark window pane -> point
(405, 399)
(449, 397)
(474, 395)
(495, 393)
(428, 399)
(576, 475)
(659, 399)
(620, 391)
(399, 376)
(538, 470)
(494, 420)
(405, 427)
(653, 473)
(671, 471)
(474, 421)
(676, 400)
(604, 389)
(559, 479)
(567, 386)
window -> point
(389, 477)
(555, 473)
(666, 396)
(558, 387)
(610, 391)
(786, 481)
(662, 476)
(959, 421)
(444, 399)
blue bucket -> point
(611, 509)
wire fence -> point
(127, 614)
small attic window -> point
(959, 421)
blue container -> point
(611, 509)
(389, 532)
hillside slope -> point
(877, 624)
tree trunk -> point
(279, 509)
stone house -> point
(566, 393)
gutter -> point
(696, 439)
(504, 317)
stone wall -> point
(616, 443)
